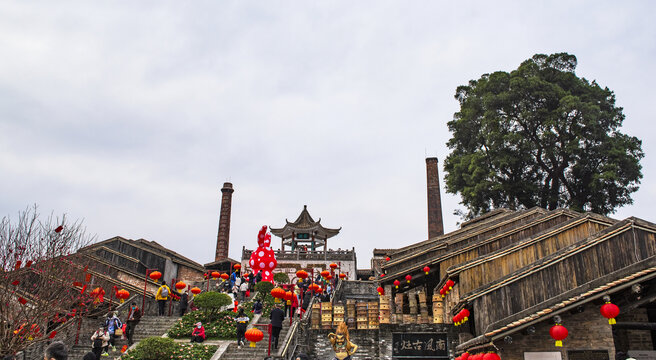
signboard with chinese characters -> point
(425, 346)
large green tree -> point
(540, 136)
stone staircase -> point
(260, 351)
(149, 326)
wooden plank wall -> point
(566, 273)
(486, 272)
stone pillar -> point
(223, 238)
(435, 224)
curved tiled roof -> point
(304, 223)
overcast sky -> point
(131, 114)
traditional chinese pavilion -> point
(304, 232)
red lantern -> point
(237, 266)
(382, 275)
(216, 274)
(464, 356)
(397, 283)
(491, 356)
(443, 292)
(254, 335)
(180, 285)
(408, 278)
(325, 273)
(333, 266)
(319, 289)
(155, 275)
(380, 290)
(342, 276)
(388, 258)
(278, 293)
(558, 333)
(329, 277)
(465, 315)
(302, 274)
(225, 276)
(610, 312)
(122, 295)
(449, 284)
(195, 290)
(426, 269)
(289, 295)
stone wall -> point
(588, 330)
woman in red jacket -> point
(198, 334)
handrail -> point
(290, 337)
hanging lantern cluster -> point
(610, 311)
(122, 295)
(155, 275)
(195, 290)
(180, 285)
(448, 286)
(380, 290)
(461, 317)
(254, 335)
(558, 333)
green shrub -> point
(181, 352)
(263, 288)
(211, 303)
(281, 278)
(156, 348)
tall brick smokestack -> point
(223, 239)
(435, 224)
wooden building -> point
(515, 271)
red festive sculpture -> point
(558, 333)
(195, 290)
(610, 312)
(155, 275)
(254, 335)
(180, 285)
(397, 283)
(263, 259)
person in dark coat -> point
(258, 277)
(134, 316)
(306, 300)
(184, 302)
(257, 307)
(242, 322)
(277, 316)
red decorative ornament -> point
(382, 275)
(342, 276)
(278, 293)
(289, 295)
(302, 274)
(325, 273)
(397, 283)
(263, 259)
(464, 356)
(449, 284)
(18, 265)
(22, 300)
(155, 275)
(59, 229)
(610, 312)
(52, 334)
(329, 277)
(465, 315)
(426, 269)
(122, 295)
(216, 274)
(408, 278)
(124, 348)
(225, 276)
(380, 290)
(180, 285)
(195, 290)
(491, 356)
(388, 258)
(558, 333)
(254, 335)
(442, 292)
(237, 266)
(333, 266)
(15, 282)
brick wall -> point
(588, 330)
(188, 274)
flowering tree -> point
(41, 286)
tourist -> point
(100, 339)
(184, 302)
(162, 296)
(56, 351)
(114, 325)
(277, 316)
(243, 288)
(294, 306)
(134, 316)
(233, 279)
(198, 334)
(258, 277)
(257, 307)
(242, 322)
(306, 301)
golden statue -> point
(341, 343)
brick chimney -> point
(435, 224)
(223, 238)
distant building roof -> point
(305, 224)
